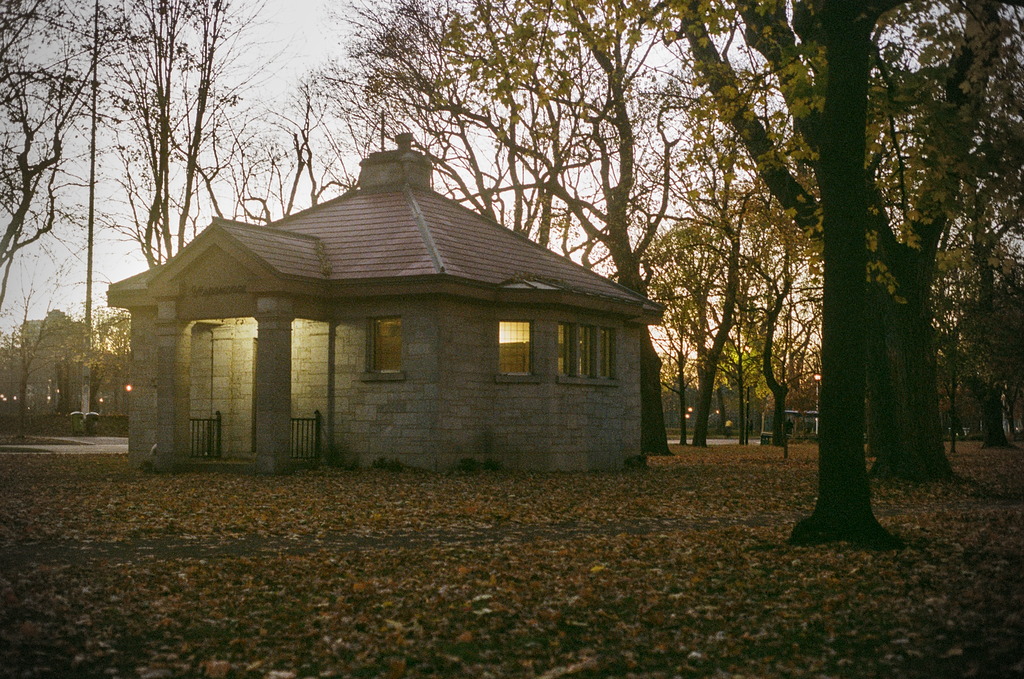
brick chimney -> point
(394, 170)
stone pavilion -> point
(391, 323)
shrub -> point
(467, 464)
(387, 464)
(636, 462)
(471, 464)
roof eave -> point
(454, 286)
(647, 313)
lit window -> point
(386, 350)
(514, 348)
(565, 335)
(606, 338)
(586, 350)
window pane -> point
(514, 347)
(607, 367)
(586, 345)
(564, 349)
(387, 344)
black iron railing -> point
(306, 437)
(205, 436)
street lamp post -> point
(817, 401)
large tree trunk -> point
(741, 415)
(702, 408)
(707, 365)
(954, 419)
(906, 429)
(653, 439)
(991, 398)
(988, 392)
(843, 508)
(779, 415)
(720, 395)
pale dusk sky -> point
(298, 35)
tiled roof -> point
(366, 236)
(417, 232)
(292, 254)
(395, 228)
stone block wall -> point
(448, 401)
(540, 421)
(309, 367)
(387, 415)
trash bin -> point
(77, 423)
(91, 420)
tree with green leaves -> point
(821, 54)
(36, 344)
(785, 293)
(110, 353)
(991, 195)
(698, 269)
(781, 126)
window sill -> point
(397, 376)
(518, 379)
(588, 381)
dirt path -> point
(58, 553)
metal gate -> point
(306, 437)
(205, 436)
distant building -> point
(390, 323)
(40, 351)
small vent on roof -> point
(532, 283)
(394, 170)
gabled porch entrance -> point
(245, 390)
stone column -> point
(332, 352)
(173, 383)
(273, 385)
(142, 408)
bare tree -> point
(403, 71)
(283, 158)
(172, 87)
(41, 98)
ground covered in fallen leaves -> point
(681, 569)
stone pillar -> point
(273, 385)
(332, 352)
(142, 408)
(173, 385)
